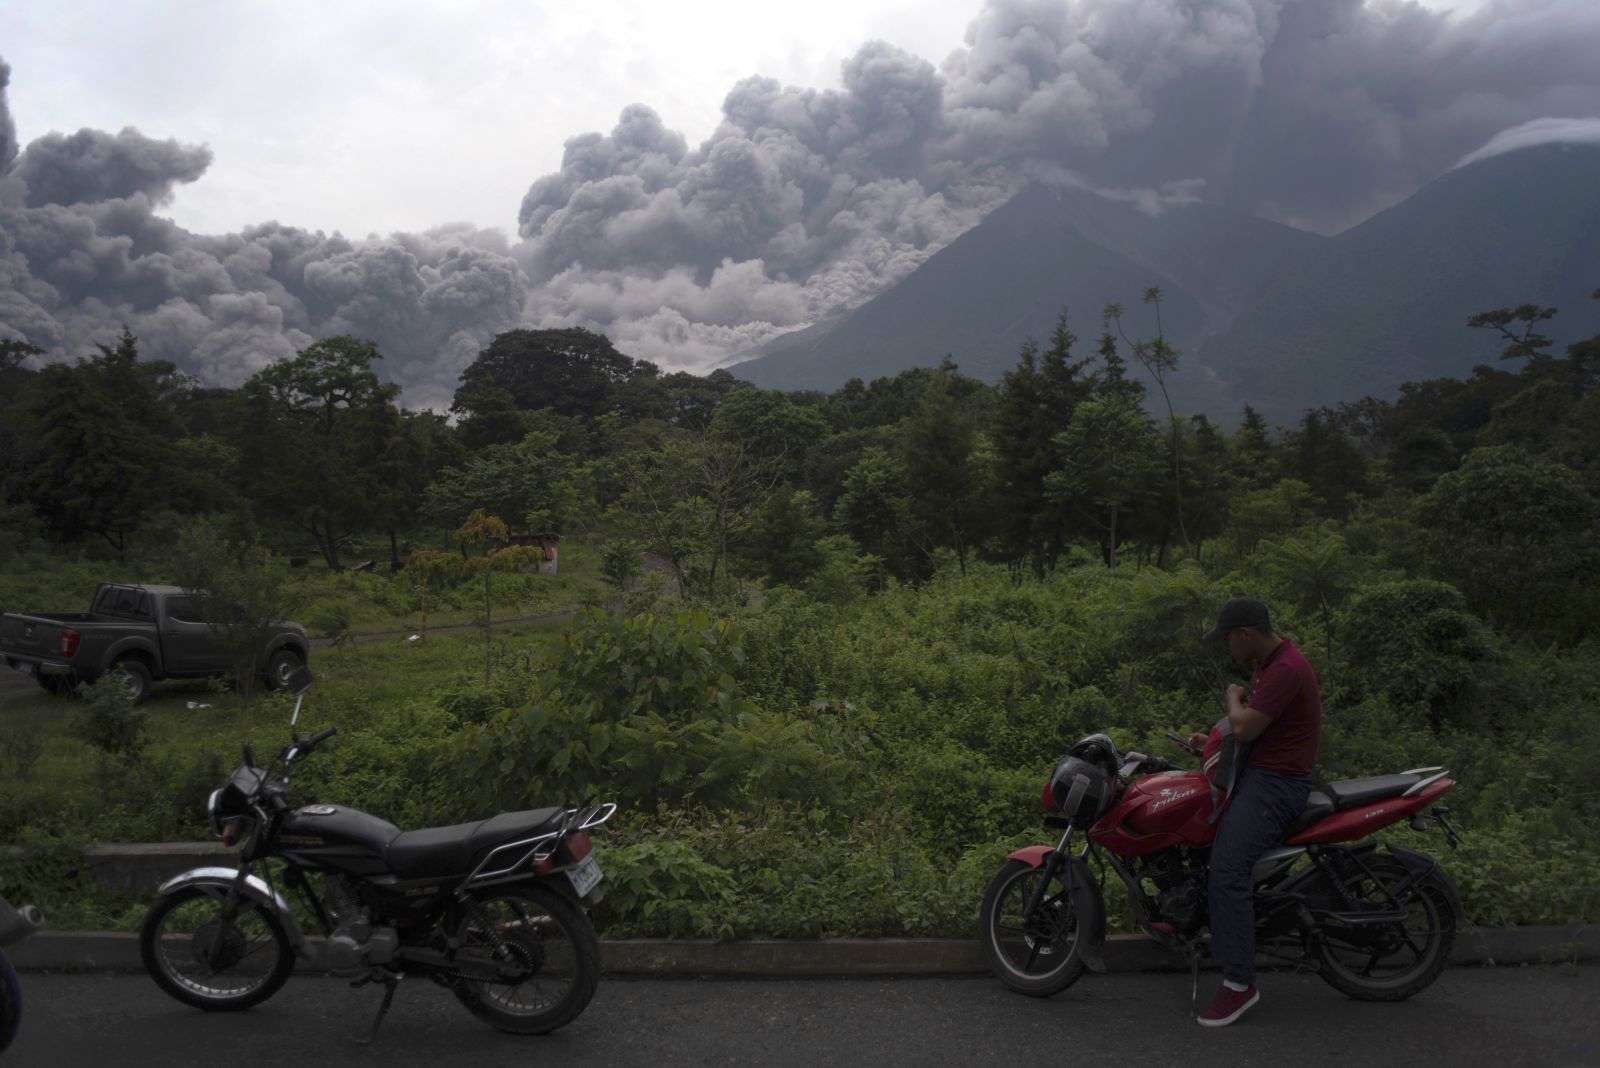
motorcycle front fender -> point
(1086, 898)
(216, 882)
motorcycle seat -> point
(1349, 793)
(455, 850)
(1318, 805)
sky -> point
(232, 181)
(368, 117)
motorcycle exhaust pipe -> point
(18, 923)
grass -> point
(382, 695)
(326, 601)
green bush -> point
(110, 721)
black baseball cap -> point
(1239, 612)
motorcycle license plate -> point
(585, 876)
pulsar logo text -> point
(1169, 795)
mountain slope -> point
(1007, 278)
(1387, 301)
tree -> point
(496, 552)
(782, 539)
(572, 371)
(1514, 533)
(529, 482)
(1516, 326)
(1037, 401)
(1317, 572)
(316, 431)
(1160, 359)
(1109, 452)
(874, 510)
(97, 443)
(1324, 459)
(945, 484)
(770, 428)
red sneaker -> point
(1229, 1005)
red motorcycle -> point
(1377, 924)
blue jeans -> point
(1264, 803)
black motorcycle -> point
(15, 925)
(495, 910)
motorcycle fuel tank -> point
(336, 838)
(1158, 812)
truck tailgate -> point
(35, 636)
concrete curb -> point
(88, 951)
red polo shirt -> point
(1285, 689)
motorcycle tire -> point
(226, 970)
(10, 1003)
(1410, 953)
(1040, 958)
(548, 946)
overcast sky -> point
(365, 117)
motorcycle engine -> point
(1184, 906)
(354, 945)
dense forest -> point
(853, 629)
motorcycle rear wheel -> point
(203, 960)
(1038, 957)
(1390, 962)
(548, 947)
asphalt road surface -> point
(1489, 1016)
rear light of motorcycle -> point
(573, 849)
(1047, 797)
(69, 642)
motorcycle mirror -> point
(249, 757)
(300, 683)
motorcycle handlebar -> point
(318, 738)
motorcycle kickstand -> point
(1194, 981)
(390, 982)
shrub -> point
(109, 721)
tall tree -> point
(317, 428)
(1111, 455)
(942, 478)
(571, 371)
(1036, 403)
(1160, 359)
(1518, 327)
(97, 443)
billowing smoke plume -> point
(805, 202)
(84, 253)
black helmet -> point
(1080, 789)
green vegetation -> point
(867, 624)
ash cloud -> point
(805, 202)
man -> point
(1282, 717)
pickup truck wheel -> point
(283, 664)
(135, 678)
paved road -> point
(1504, 1016)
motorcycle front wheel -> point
(212, 961)
(10, 1002)
(1033, 954)
(545, 947)
(1392, 961)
